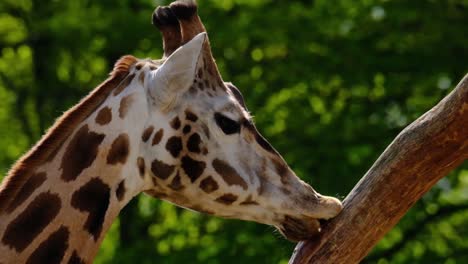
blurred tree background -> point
(330, 83)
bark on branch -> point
(423, 153)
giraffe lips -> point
(295, 230)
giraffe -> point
(170, 128)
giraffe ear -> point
(177, 73)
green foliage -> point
(331, 83)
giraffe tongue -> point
(295, 229)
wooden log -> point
(423, 153)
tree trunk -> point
(423, 153)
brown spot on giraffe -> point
(29, 224)
(93, 198)
(281, 169)
(193, 143)
(209, 185)
(227, 199)
(186, 129)
(141, 166)
(34, 182)
(125, 104)
(174, 146)
(80, 153)
(119, 150)
(157, 137)
(75, 259)
(161, 169)
(120, 191)
(52, 249)
(153, 67)
(176, 184)
(147, 133)
(175, 123)
(229, 174)
(124, 84)
(193, 168)
(104, 116)
(190, 116)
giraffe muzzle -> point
(303, 222)
(326, 207)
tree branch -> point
(423, 153)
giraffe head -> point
(200, 144)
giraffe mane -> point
(51, 142)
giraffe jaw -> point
(295, 229)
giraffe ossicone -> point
(171, 128)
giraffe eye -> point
(226, 124)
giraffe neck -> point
(62, 207)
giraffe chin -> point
(295, 229)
